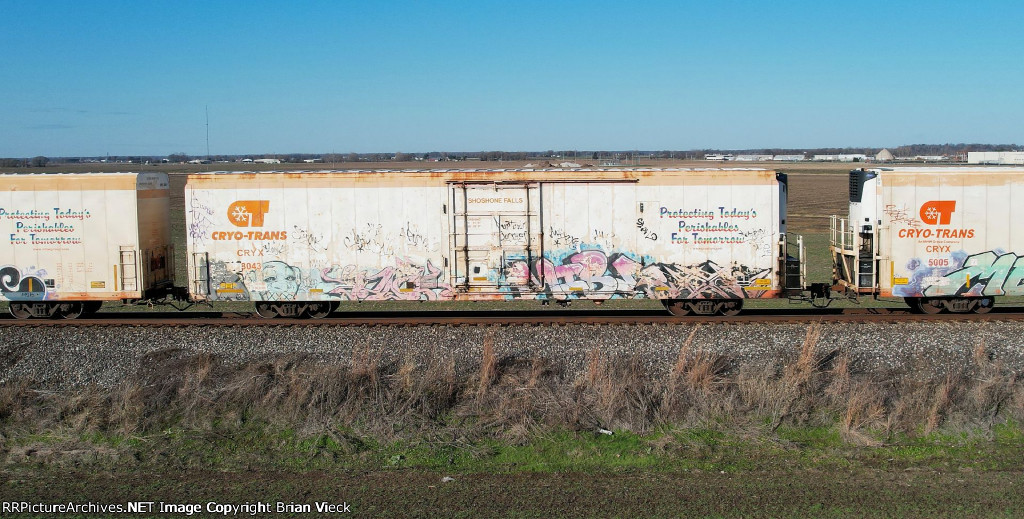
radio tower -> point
(207, 132)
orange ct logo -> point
(248, 213)
(937, 212)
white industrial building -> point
(757, 158)
(842, 157)
(995, 157)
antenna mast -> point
(207, 132)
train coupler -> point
(819, 295)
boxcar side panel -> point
(589, 241)
(483, 235)
(716, 238)
(952, 233)
(701, 236)
(276, 237)
(62, 236)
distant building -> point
(788, 158)
(268, 161)
(753, 158)
(842, 157)
(718, 156)
(884, 156)
(995, 157)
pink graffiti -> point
(625, 266)
(593, 274)
(544, 269)
(404, 281)
(518, 273)
(583, 272)
(593, 263)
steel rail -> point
(507, 318)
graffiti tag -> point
(646, 231)
(987, 273)
(901, 215)
(200, 215)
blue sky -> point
(135, 78)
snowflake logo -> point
(240, 214)
(937, 212)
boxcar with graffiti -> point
(700, 240)
(941, 238)
(71, 241)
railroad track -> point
(507, 318)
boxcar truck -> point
(940, 238)
(69, 242)
(299, 243)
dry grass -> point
(515, 398)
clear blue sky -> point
(126, 78)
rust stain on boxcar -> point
(427, 178)
(70, 182)
(924, 177)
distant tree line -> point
(913, 150)
(34, 162)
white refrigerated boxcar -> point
(700, 240)
(941, 238)
(71, 241)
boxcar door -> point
(496, 236)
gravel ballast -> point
(64, 357)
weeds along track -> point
(106, 354)
(380, 384)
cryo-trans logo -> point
(248, 213)
(938, 212)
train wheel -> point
(70, 310)
(928, 306)
(984, 305)
(20, 311)
(266, 310)
(732, 308)
(318, 310)
(677, 308)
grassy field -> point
(522, 439)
